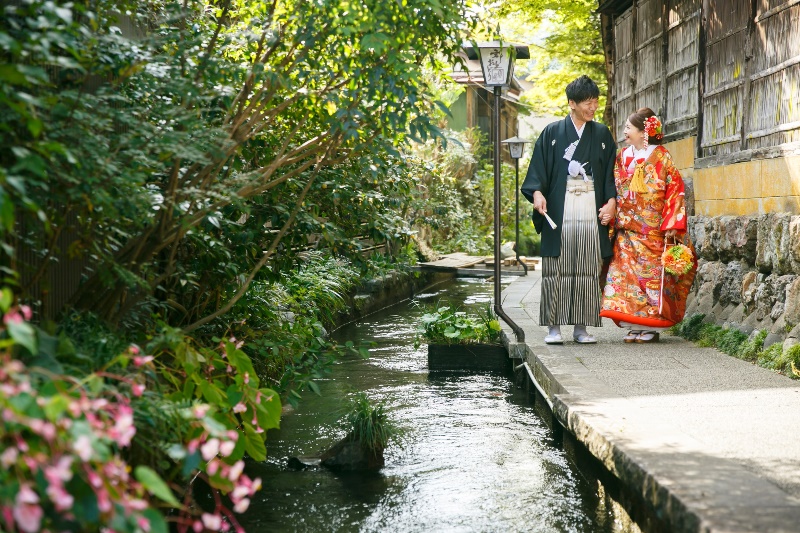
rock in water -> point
(348, 454)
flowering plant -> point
(678, 259)
(652, 127)
(73, 447)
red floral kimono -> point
(637, 291)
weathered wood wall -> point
(773, 110)
(726, 71)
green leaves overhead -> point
(151, 144)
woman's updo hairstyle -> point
(638, 119)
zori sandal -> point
(647, 336)
(553, 339)
(631, 336)
(584, 338)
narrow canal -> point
(474, 455)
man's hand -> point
(539, 202)
(607, 212)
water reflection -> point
(474, 456)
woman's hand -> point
(607, 212)
(670, 234)
(539, 202)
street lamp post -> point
(515, 147)
(497, 64)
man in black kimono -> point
(571, 179)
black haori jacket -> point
(548, 173)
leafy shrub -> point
(731, 341)
(448, 325)
(72, 435)
(690, 327)
(368, 424)
(771, 357)
(750, 349)
(707, 335)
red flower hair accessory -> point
(652, 127)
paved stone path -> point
(711, 442)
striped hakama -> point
(570, 282)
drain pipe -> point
(498, 308)
(539, 388)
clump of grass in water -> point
(368, 424)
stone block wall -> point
(749, 273)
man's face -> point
(584, 110)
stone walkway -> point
(712, 443)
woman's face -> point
(633, 135)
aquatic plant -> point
(449, 325)
(368, 424)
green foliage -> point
(566, 43)
(214, 140)
(74, 427)
(733, 342)
(447, 325)
(750, 349)
(368, 424)
(772, 357)
(690, 327)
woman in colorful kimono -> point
(651, 216)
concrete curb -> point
(687, 488)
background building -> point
(724, 77)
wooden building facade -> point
(724, 78)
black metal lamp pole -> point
(516, 214)
(498, 308)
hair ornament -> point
(652, 127)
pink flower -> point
(143, 523)
(134, 350)
(12, 317)
(212, 467)
(242, 505)
(239, 408)
(239, 492)
(246, 378)
(139, 360)
(60, 472)
(48, 431)
(137, 504)
(94, 479)
(9, 457)
(199, 411)
(137, 389)
(83, 447)
(210, 449)
(197, 526)
(226, 448)
(236, 470)
(61, 498)
(27, 512)
(212, 521)
(103, 501)
(123, 430)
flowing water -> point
(474, 456)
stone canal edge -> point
(686, 486)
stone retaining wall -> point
(749, 274)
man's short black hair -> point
(582, 89)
